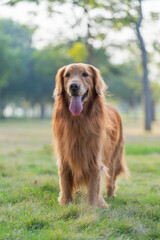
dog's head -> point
(80, 83)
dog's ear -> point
(99, 84)
(59, 82)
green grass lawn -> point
(29, 190)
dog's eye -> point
(85, 74)
(68, 75)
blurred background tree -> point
(29, 79)
(45, 63)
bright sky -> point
(53, 29)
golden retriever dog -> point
(88, 134)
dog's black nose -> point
(74, 87)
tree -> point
(45, 63)
(17, 61)
(124, 83)
(122, 16)
(4, 66)
(146, 88)
(9, 68)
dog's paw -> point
(64, 201)
(100, 203)
(103, 204)
(111, 192)
(111, 195)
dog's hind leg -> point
(111, 184)
(117, 167)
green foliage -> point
(5, 55)
(14, 2)
(78, 52)
(27, 73)
(19, 47)
(155, 89)
(10, 56)
(155, 16)
(20, 35)
(11, 67)
(124, 82)
(45, 63)
(156, 45)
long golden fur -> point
(90, 145)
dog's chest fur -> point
(83, 146)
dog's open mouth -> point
(76, 104)
(84, 96)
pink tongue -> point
(76, 105)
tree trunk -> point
(42, 115)
(147, 96)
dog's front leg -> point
(94, 189)
(66, 185)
